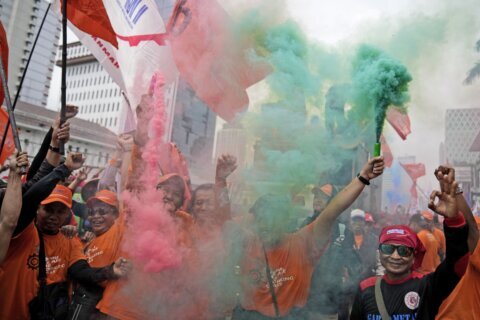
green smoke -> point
(378, 81)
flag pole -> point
(11, 116)
(63, 109)
(5, 131)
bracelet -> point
(54, 149)
(363, 180)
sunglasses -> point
(103, 212)
(389, 249)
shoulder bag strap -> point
(379, 300)
(270, 284)
(42, 272)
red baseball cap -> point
(401, 234)
(59, 194)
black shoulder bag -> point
(51, 302)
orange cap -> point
(105, 196)
(327, 189)
(59, 194)
(427, 215)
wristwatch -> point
(363, 180)
(54, 149)
(459, 190)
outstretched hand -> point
(83, 173)
(17, 161)
(445, 175)
(122, 267)
(373, 168)
(226, 164)
(443, 202)
(74, 161)
(69, 231)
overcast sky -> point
(438, 71)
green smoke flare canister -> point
(376, 149)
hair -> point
(419, 220)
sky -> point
(438, 66)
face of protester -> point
(172, 194)
(319, 202)
(271, 227)
(101, 217)
(358, 225)
(395, 265)
(51, 217)
(203, 208)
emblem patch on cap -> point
(397, 231)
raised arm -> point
(324, 223)
(12, 202)
(446, 175)
(49, 149)
(226, 165)
(40, 190)
(448, 273)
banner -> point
(141, 50)
(210, 58)
(399, 121)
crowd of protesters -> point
(63, 256)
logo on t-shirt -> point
(279, 277)
(32, 261)
(412, 300)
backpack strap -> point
(42, 272)
(379, 300)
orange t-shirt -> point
(291, 263)
(440, 236)
(464, 302)
(103, 250)
(431, 260)
(19, 271)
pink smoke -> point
(152, 231)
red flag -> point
(414, 170)
(9, 146)
(91, 17)
(208, 57)
(4, 52)
(387, 153)
(399, 121)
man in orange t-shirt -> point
(117, 299)
(464, 302)
(439, 235)
(103, 216)
(19, 272)
(431, 259)
(276, 266)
